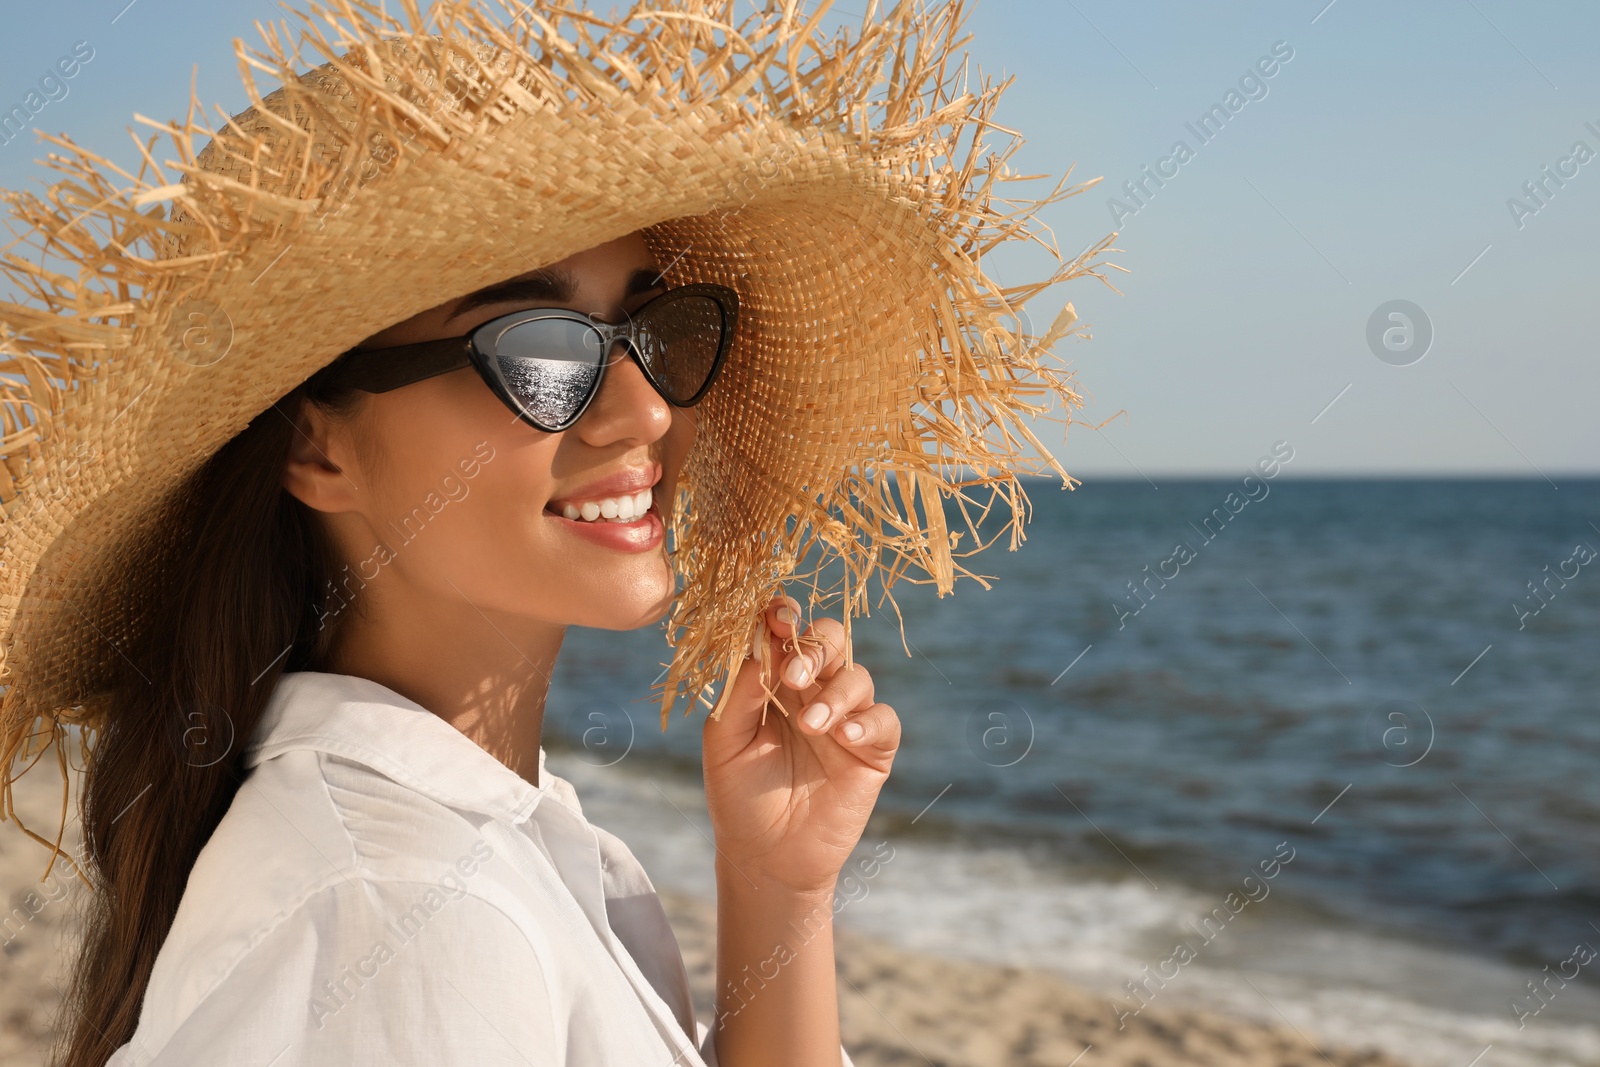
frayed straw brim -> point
(876, 369)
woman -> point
(296, 528)
(464, 619)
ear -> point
(321, 470)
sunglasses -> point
(546, 364)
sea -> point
(1315, 751)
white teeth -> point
(614, 508)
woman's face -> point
(435, 493)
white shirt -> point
(384, 891)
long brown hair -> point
(243, 589)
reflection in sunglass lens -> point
(549, 365)
(678, 342)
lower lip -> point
(639, 535)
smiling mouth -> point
(621, 508)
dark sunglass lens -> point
(679, 341)
(549, 365)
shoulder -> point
(361, 971)
(323, 868)
(304, 822)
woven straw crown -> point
(876, 370)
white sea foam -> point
(1430, 1006)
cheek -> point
(676, 444)
(425, 434)
(679, 439)
(453, 458)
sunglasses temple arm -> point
(378, 370)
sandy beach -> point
(39, 929)
(897, 1007)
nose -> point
(627, 408)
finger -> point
(820, 653)
(846, 691)
(873, 731)
(775, 628)
(776, 623)
(783, 616)
(746, 703)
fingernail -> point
(852, 731)
(816, 715)
(799, 671)
(758, 643)
(785, 615)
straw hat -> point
(875, 371)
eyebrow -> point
(548, 284)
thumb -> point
(752, 693)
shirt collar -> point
(370, 724)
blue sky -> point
(1374, 165)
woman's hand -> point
(789, 798)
